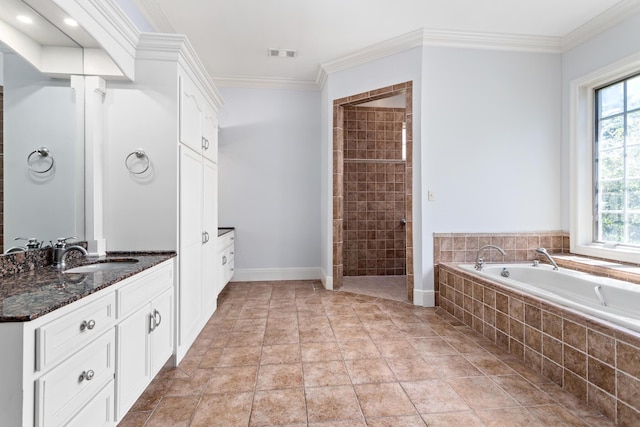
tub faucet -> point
(61, 249)
(480, 260)
(544, 252)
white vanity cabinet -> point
(87, 362)
(226, 256)
(144, 333)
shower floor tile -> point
(344, 359)
(387, 287)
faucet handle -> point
(62, 242)
(32, 242)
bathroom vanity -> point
(226, 255)
(78, 349)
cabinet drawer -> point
(63, 392)
(98, 412)
(140, 291)
(60, 338)
(225, 241)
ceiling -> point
(232, 36)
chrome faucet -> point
(480, 260)
(61, 249)
(32, 243)
(544, 252)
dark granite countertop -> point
(224, 230)
(31, 294)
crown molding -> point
(601, 23)
(375, 51)
(155, 16)
(492, 41)
(176, 47)
(264, 82)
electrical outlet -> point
(431, 196)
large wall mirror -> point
(42, 120)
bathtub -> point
(611, 300)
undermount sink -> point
(104, 265)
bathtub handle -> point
(599, 295)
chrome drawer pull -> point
(152, 323)
(159, 319)
(86, 375)
(87, 325)
(224, 259)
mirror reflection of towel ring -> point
(43, 152)
(140, 154)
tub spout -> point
(480, 260)
(544, 252)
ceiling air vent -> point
(281, 53)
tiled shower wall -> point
(339, 105)
(375, 187)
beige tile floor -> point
(293, 354)
(387, 287)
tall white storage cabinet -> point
(170, 113)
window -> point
(617, 163)
(604, 190)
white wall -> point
(269, 179)
(613, 45)
(38, 112)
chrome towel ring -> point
(140, 154)
(43, 152)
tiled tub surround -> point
(519, 247)
(374, 192)
(595, 360)
(35, 292)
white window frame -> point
(581, 135)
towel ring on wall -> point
(43, 152)
(140, 154)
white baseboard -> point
(424, 298)
(271, 274)
(327, 281)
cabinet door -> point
(133, 372)
(210, 223)
(191, 114)
(162, 335)
(210, 134)
(190, 247)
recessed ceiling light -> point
(281, 53)
(24, 19)
(71, 22)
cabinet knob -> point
(86, 375)
(87, 324)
